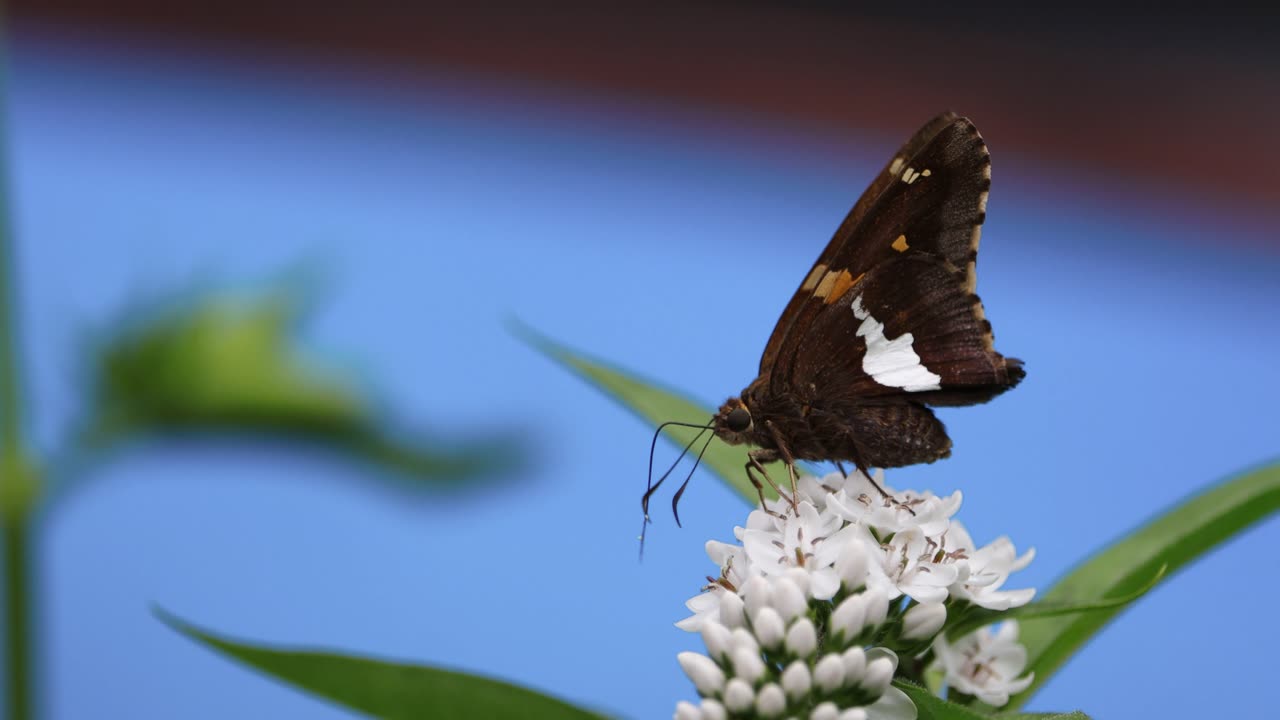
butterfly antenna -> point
(675, 500)
(652, 487)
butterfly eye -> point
(739, 419)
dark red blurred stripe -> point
(1189, 103)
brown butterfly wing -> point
(906, 331)
(889, 175)
(903, 337)
(932, 213)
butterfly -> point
(884, 326)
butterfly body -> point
(885, 325)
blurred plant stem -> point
(19, 484)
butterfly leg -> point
(862, 468)
(787, 458)
(755, 458)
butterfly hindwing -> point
(907, 331)
(898, 434)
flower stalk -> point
(19, 483)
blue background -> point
(660, 237)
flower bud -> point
(800, 577)
(705, 674)
(923, 621)
(849, 616)
(747, 664)
(878, 675)
(828, 674)
(802, 638)
(789, 599)
(825, 711)
(851, 564)
(769, 628)
(756, 594)
(796, 679)
(854, 714)
(738, 696)
(687, 711)
(731, 610)
(855, 665)
(713, 710)
(877, 607)
(717, 638)
(742, 638)
(770, 702)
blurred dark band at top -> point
(1176, 100)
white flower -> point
(805, 539)
(705, 606)
(735, 571)
(910, 565)
(985, 664)
(858, 501)
(984, 570)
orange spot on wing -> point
(814, 276)
(900, 244)
(839, 285)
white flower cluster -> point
(763, 653)
(810, 612)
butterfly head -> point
(733, 422)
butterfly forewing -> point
(925, 221)
(837, 246)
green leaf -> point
(385, 689)
(222, 365)
(656, 405)
(932, 707)
(1172, 540)
(977, 617)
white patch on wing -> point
(892, 363)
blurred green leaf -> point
(656, 405)
(232, 366)
(1173, 539)
(932, 707)
(385, 689)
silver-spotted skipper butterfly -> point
(884, 326)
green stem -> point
(17, 621)
(19, 485)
